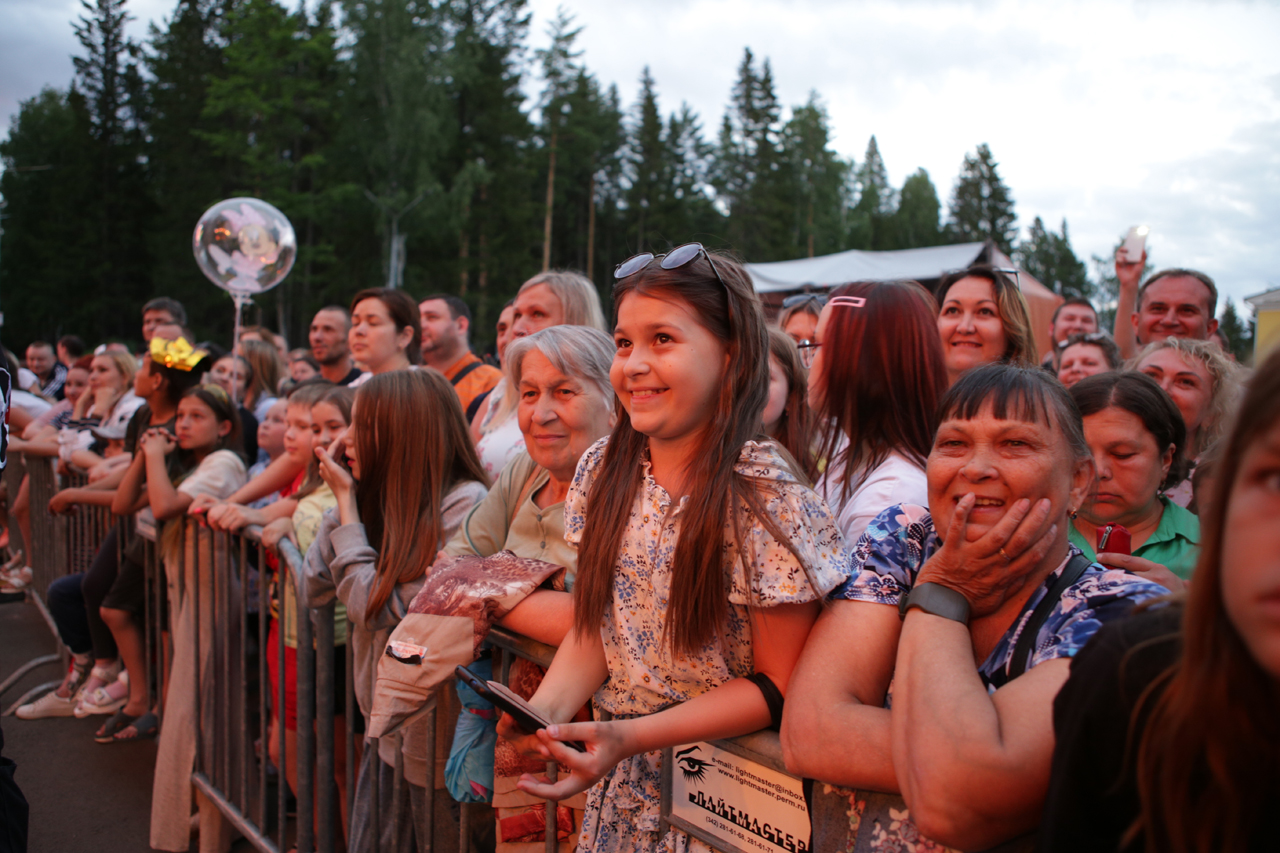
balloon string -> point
(240, 301)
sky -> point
(1108, 114)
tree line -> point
(398, 139)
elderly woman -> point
(1204, 385)
(1137, 438)
(983, 319)
(554, 298)
(561, 380)
(984, 574)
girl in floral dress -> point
(702, 555)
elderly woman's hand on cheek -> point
(992, 568)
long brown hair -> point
(795, 429)
(1207, 759)
(413, 449)
(883, 374)
(699, 603)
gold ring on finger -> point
(1007, 558)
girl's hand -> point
(1148, 570)
(281, 528)
(231, 517)
(62, 503)
(201, 503)
(158, 442)
(101, 470)
(993, 568)
(337, 477)
(607, 744)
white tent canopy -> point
(856, 265)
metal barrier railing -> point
(206, 621)
(59, 546)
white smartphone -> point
(1135, 243)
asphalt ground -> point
(85, 797)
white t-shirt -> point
(897, 480)
(218, 474)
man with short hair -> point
(50, 373)
(445, 322)
(161, 310)
(1075, 316)
(328, 340)
(1173, 303)
(70, 348)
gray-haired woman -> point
(564, 403)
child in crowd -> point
(414, 477)
(161, 380)
(330, 417)
(682, 635)
(207, 430)
(271, 430)
(787, 417)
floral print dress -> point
(623, 809)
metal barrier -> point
(59, 546)
(206, 624)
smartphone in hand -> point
(1114, 539)
(1135, 243)
(528, 718)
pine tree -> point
(821, 181)
(183, 57)
(981, 204)
(1239, 335)
(559, 76)
(648, 163)
(915, 222)
(488, 167)
(1049, 258)
(751, 177)
(876, 203)
(107, 75)
(49, 247)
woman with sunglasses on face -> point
(799, 316)
(1086, 354)
(876, 375)
(983, 319)
(1167, 732)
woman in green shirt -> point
(1138, 441)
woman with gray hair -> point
(553, 298)
(564, 403)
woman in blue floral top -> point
(702, 556)
(969, 740)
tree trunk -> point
(551, 193)
(591, 227)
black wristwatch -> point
(936, 599)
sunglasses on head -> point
(817, 299)
(677, 257)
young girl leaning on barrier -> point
(701, 555)
(414, 476)
(207, 428)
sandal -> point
(144, 728)
(114, 724)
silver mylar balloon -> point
(244, 245)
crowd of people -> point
(988, 599)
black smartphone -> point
(526, 716)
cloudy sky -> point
(1109, 114)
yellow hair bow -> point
(176, 354)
